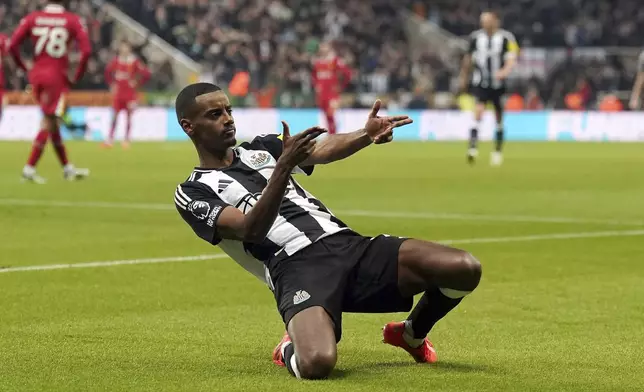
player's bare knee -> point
(316, 364)
(469, 268)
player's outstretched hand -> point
(381, 129)
(299, 147)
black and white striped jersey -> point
(489, 54)
(302, 218)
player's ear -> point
(187, 127)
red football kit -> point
(51, 32)
(126, 75)
(328, 86)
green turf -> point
(550, 315)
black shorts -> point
(345, 272)
(493, 95)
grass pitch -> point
(559, 229)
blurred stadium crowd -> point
(274, 41)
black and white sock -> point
(433, 306)
(499, 138)
(474, 137)
(290, 359)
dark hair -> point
(188, 96)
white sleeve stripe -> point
(182, 195)
(178, 203)
(178, 198)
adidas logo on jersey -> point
(300, 297)
(223, 184)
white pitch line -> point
(87, 204)
(95, 264)
(542, 237)
(365, 213)
(525, 238)
(491, 218)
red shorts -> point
(328, 102)
(49, 91)
(124, 102)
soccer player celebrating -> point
(245, 200)
(125, 74)
(327, 69)
(493, 52)
(51, 32)
(636, 93)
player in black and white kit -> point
(636, 94)
(245, 200)
(493, 54)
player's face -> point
(213, 125)
(325, 49)
(124, 49)
(488, 21)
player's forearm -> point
(261, 217)
(82, 66)
(14, 51)
(465, 67)
(338, 147)
(509, 65)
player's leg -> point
(445, 275)
(40, 141)
(116, 109)
(479, 109)
(309, 288)
(309, 351)
(391, 270)
(52, 118)
(497, 157)
(329, 112)
(53, 111)
(129, 111)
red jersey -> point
(127, 74)
(326, 73)
(4, 45)
(52, 31)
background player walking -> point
(327, 70)
(124, 74)
(51, 32)
(493, 52)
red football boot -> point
(277, 352)
(392, 334)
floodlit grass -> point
(550, 314)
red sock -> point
(57, 141)
(128, 125)
(113, 129)
(37, 148)
(330, 120)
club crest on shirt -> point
(259, 159)
(199, 209)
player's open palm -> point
(299, 147)
(381, 129)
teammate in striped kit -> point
(245, 200)
(493, 52)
